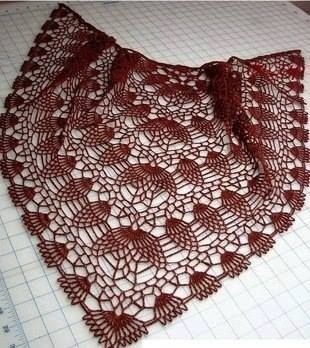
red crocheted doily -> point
(148, 183)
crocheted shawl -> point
(147, 183)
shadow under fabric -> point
(147, 183)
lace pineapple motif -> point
(147, 183)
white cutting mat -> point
(272, 298)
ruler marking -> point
(10, 324)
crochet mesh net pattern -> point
(146, 183)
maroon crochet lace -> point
(148, 183)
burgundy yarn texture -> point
(147, 183)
